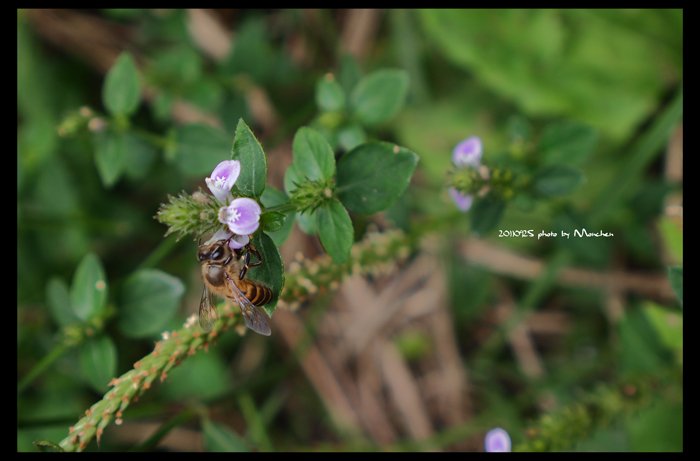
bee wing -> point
(207, 311)
(255, 317)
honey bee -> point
(223, 273)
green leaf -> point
(271, 271)
(110, 156)
(557, 180)
(668, 325)
(675, 275)
(335, 229)
(273, 197)
(88, 293)
(98, 361)
(271, 221)
(292, 177)
(486, 214)
(313, 156)
(567, 142)
(351, 136)
(672, 237)
(232, 108)
(125, 13)
(162, 105)
(58, 299)
(373, 176)
(553, 62)
(249, 152)
(122, 91)
(252, 53)
(379, 96)
(140, 156)
(308, 223)
(641, 350)
(519, 129)
(205, 93)
(199, 148)
(176, 67)
(219, 438)
(658, 427)
(148, 300)
(329, 94)
(349, 73)
(201, 377)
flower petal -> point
(497, 440)
(463, 202)
(467, 152)
(221, 234)
(238, 242)
(242, 216)
(223, 178)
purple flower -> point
(235, 241)
(223, 178)
(467, 153)
(242, 216)
(463, 202)
(238, 241)
(497, 440)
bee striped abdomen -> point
(258, 295)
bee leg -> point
(257, 254)
(246, 264)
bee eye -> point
(218, 253)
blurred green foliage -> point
(598, 91)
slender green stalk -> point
(532, 297)
(161, 251)
(305, 279)
(42, 366)
(642, 153)
(156, 140)
(255, 422)
(282, 208)
(72, 336)
(165, 428)
(605, 405)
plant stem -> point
(72, 336)
(157, 140)
(161, 251)
(641, 154)
(165, 428)
(563, 429)
(255, 422)
(532, 297)
(282, 208)
(377, 252)
(43, 364)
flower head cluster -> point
(467, 154)
(240, 215)
(497, 440)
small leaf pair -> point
(359, 183)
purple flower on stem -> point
(242, 216)
(467, 153)
(223, 178)
(497, 440)
(463, 202)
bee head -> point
(217, 252)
